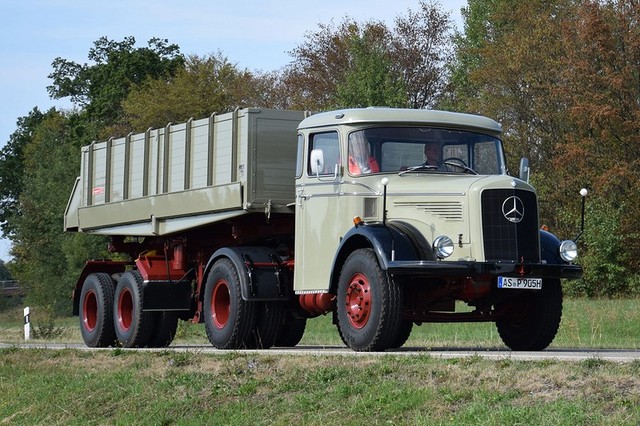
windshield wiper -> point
(423, 166)
(462, 166)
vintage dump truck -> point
(254, 221)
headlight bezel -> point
(568, 250)
(443, 247)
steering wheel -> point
(452, 160)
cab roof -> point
(359, 116)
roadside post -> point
(27, 324)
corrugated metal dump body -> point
(187, 175)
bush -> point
(603, 256)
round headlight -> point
(443, 246)
(568, 250)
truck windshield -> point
(424, 149)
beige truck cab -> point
(401, 213)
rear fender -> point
(263, 276)
(111, 267)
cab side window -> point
(328, 143)
(299, 156)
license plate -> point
(527, 283)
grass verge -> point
(123, 387)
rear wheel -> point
(269, 319)
(369, 304)
(133, 326)
(228, 318)
(96, 311)
(532, 321)
(291, 330)
(164, 329)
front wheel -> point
(532, 321)
(369, 304)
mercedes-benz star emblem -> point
(513, 209)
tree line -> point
(562, 76)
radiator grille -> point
(515, 238)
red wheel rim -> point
(125, 309)
(90, 311)
(220, 304)
(358, 300)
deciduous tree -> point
(100, 87)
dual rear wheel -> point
(111, 314)
(234, 323)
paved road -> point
(614, 355)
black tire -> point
(164, 329)
(133, 325)
(291, 330)
(229, 320)
(96, 311)
(269, 319)
(532, 321)
(369, 304)
(403, 334)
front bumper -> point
(425, 268)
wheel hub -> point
(125, 310)
(358, 300)
(90, 311)
(221, 304)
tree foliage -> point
(562, 77)
(99, 88)
(51, 162)
(12, 169)
(353, 64)
(204, 86)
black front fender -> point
(390, 243)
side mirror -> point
(524, 169)
(317, 162)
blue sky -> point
(253, 35)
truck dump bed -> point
(186, 175)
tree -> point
(562, 77)
(603, 92)
(320, 63)
(352, 64)
(117, 66)
(40, 249)
(370, 80)
(12, 169)
(421, 50)
(205, 85)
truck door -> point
(317, 211)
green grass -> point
(123, 387)
(585, 323)
(116, 386)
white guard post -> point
(27, 324)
